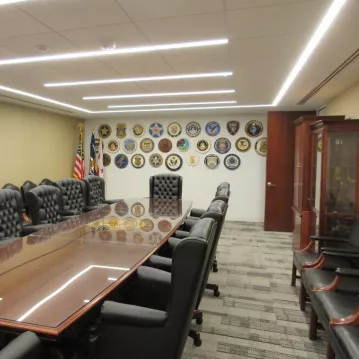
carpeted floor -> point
(257, 314)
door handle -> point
(270, 184)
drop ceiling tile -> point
(299, 17)
(75, 14)
(27, 45)
(243, 4)
(13, 22)
(124, 35)
(140, 10)
(189, 28)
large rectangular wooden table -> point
(51, 278)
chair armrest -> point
(161, 263)
(188, 224)
(340, 250)
(195, 212)
(328, 239)
(131, 315)
(341, 255)
(29, 229)
(346, 272)
(181, 234)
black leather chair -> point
(311, 255)
(72, 196)
(47, 182)
(12, 187)
(95, 193)
(25, 346)
(26, 187)
(217, 210)
(11, 222)
(166, 186)
(343, 342)
(165, 207)
(45, 205)
(156, 322)
(224, 185)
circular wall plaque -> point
(183, 145)
(192, 160)
(243, 144)
(165, 145)
(121, 161)
(121, 208)
(156, 160)
(213, 128)
(174, 162)
(156, 130)
(137, 209)
(138, 130)
(147, 145)
(232, 162)
(174, 129)
(261, 147)
(212, 162)
(222, 145)
(104, 131)
(130, 145)
(113, 146)
(193, 129)
(203, 146)
(253, 128)
(164, 226)
(106, 159)
(138, 161)
(146, 225)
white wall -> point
(200, 183)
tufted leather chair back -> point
(95, 190)
(26, 187)
(46, 182)
(222, 194)
(166, 186)
(10, 214)
(44, 204)
(161, 207)
(12, 187)
(72, 193)
(224, 185)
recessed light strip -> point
(161, 94)
(126, 50)
(183, 109)
(6, 2)
(140, 79)
(314, 41)
(174, 104)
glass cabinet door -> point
(316, 172)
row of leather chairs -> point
(329, 273)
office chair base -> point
(198, 315)
(215, 266)
(215, 289)
(196, 336)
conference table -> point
(51, 278)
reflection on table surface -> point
(46, 277)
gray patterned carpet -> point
(257, 314)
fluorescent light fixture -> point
(161, 94)
(140, 79)
(112, 279)
(174, 104)
(86, 300)
(5, 2)
(313, 43)
(123, 51)
(183, 109)
(59, 290)
(45, 99)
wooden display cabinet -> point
(303, 225)
(334, 191)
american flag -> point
(79, 169)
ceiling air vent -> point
(340, 68)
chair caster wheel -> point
(215, 269)
(217, 293)
(197, 340)
(199, 321)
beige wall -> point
(35, 144)
(346, 103)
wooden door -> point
(278, 214)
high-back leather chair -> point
(72, 196)
(156, 323)
(12, 187)
(222, 194)
(166, 186)
(95, 193)
(224, 185)
(44, 205)
(163, 207)
(26, 187)
(46, 182)
(25, 346)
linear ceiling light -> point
(45, 99)
(161, 94)
(183, 109)
(126, 50)
(5, 2)
(140, 79)
(314, 41)
(174, 104)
